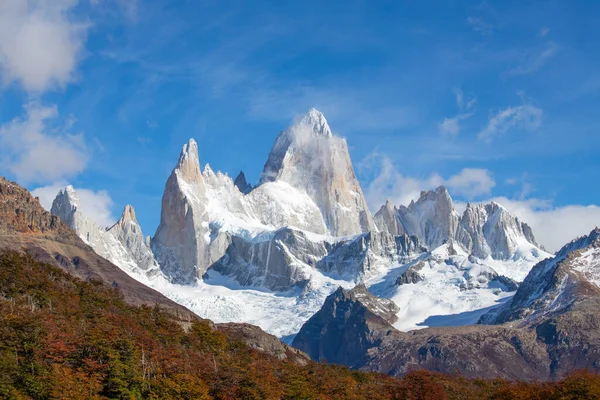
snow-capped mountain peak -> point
(483, 230)
(309, 158)
(317, 123)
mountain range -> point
(282, 254)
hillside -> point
(61, 337)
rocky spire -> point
(241, 183)
(189, 163)
(387, 219)
(432, 218)
(179, 243)
(65, 205)
(483, 230)
(129, 233)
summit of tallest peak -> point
(317, 122)
(189, 162)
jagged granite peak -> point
(495, 232)
(179, 243)
(65, 204)
(241, 183)
(312, 160)
(122, 244)
(484, 230)
(189, 162)
(555, 284)
(129, 233)
(432, 218)
(387, 220)
(346, 327)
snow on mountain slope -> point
(447, 287)
(554, 284)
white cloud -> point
(388, 183)
(543, 32)
(95, 204)
(36, 151)
(471, 182)
(461, 103)
(40, 44)
(536, 61)
(525, 116)
(553, 226)
(451, 126)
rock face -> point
(179, 242)
(347, 326)
(484, 230)
(122, 244)
(285, 258)
(554, 329)
(129, 233)
(22, 213)
(387, 220)
(311, 159)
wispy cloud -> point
(480, 25)
(523, 117)
(536, 61)
(543, 32)
(451, 126)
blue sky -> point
(497, 100)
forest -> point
(63, 338)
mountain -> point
(311, 159)
(271, 254)
(483, 230)
(547, 330)
(348, 324)
(560, 284)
